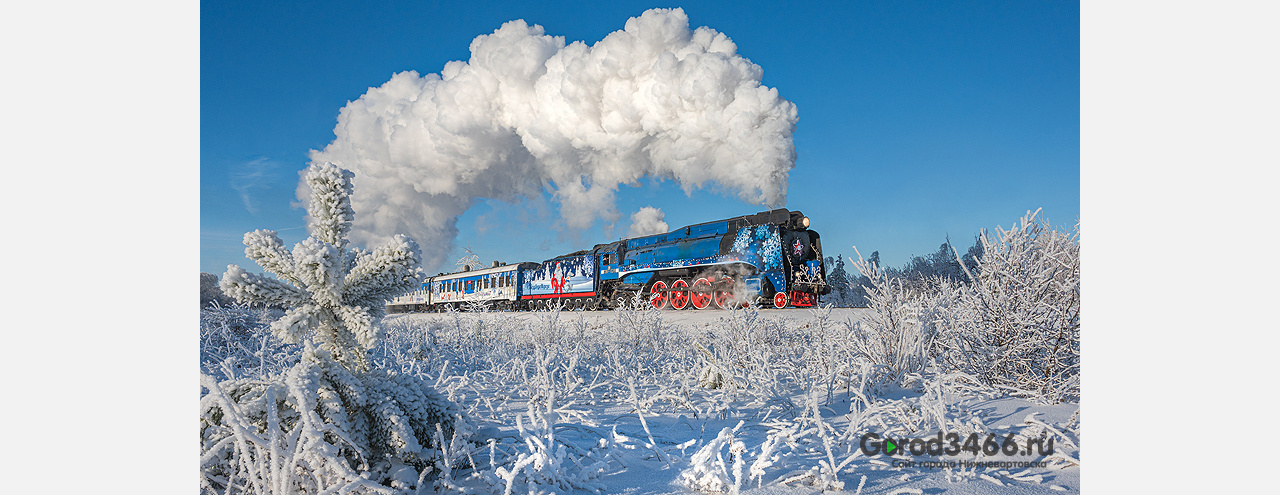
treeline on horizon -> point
(920, 273)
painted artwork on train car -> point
(563, 277)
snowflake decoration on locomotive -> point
(762, 242)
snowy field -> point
(640, 401)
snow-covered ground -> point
(655, 402)
(677, 402)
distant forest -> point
(921, 272)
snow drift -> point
(528, 113)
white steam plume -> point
(527, 113)
(648, 221)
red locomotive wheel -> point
(701, 295)
(725, 294)
(658, 295)
(780, 300)
(722, 298)
(679, 294)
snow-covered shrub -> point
(1017, 326)
(708, 469)
(898, 333)
(543, 461)
(319, 426)
(331, 421)
(235, 341)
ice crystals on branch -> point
(337, 291)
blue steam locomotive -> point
(769, 258)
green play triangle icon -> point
(889, 446)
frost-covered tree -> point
(331, 289)
(331, 422)
(840, 282)
(469, 262)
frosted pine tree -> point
(331, 423)
(336, 291)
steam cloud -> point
(648, 221)
(527, 113)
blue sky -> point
(916, 120)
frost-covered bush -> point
(235, 340)
(1017, 326)
(332, 421)
(898, 333)
(320, 426)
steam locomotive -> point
(769, 258)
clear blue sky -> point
(916, 120)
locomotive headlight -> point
(804, 222)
